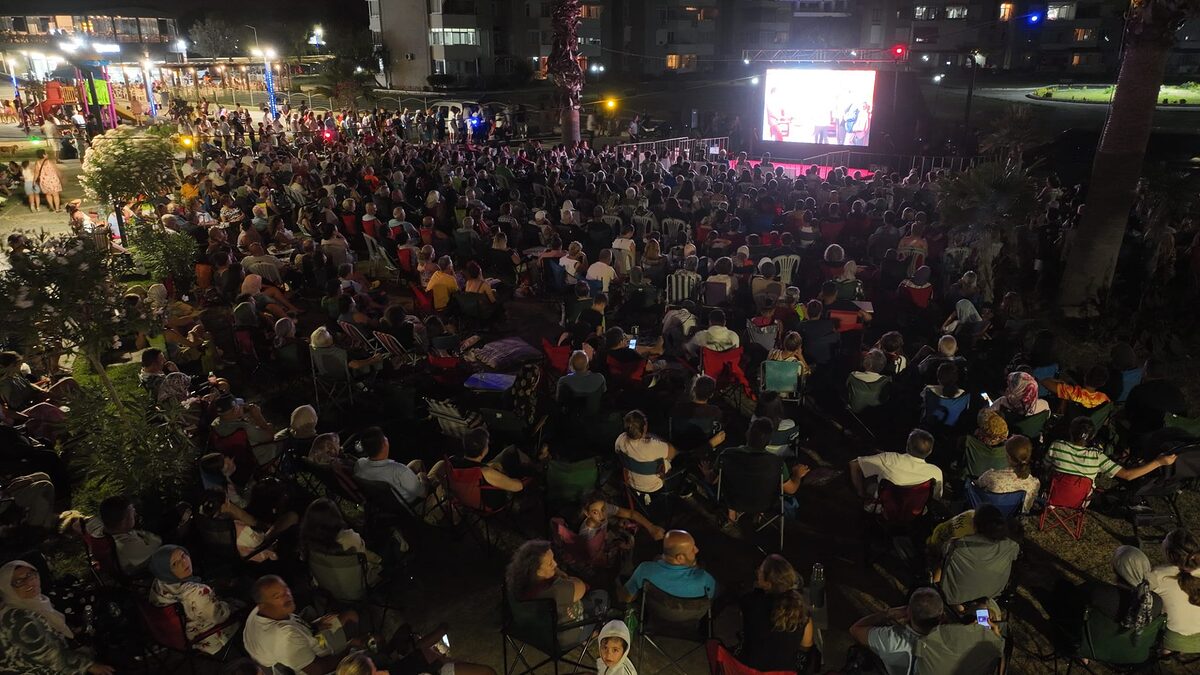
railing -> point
(694, 148)
(900, 163)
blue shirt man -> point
(675, 573)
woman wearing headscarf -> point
(175, 314)
(267, 298)
(992, 430)
(1021, 397)
(965, 323)
(208, 621)
(297, 438)
(34, 636)
(1130, 602)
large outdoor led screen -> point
(826, 107)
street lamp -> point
(318, 38)
(268, 76)
(182, 47)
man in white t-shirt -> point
(274, 634)
(602, 270)
(899, 469)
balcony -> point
(453, 7)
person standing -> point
(48, 180)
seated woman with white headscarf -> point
(267, 299)
(34, 636)
(324, 350)
(209, 620)
(965, 324)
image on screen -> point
(826, 107)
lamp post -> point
(268, 78)
(181, 45)
(318, 38)
(150, 107)
(12, 74)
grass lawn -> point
(1185, 94)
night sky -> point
(329, 13)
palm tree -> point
(987, 203)
(1150, 28)
(343, 83)
(564, 65)
(1012, 133)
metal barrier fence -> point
(671, 147)
(899, 163)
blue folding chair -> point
(945, 411)
(1042, 372)
(1129, 379)
(1009, 503)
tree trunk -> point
(1115, 172)
(570, 125)
(119, 212)
(102, 373)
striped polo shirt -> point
(1080, 461)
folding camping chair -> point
(453, 423)
(663, 615)
(1066, 504)
(726, 368)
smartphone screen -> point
(633, 343)
(981, 618)
(986, 398)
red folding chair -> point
(845, 321)
(584, 556)
(237, 447)
(900, 505)
(917, 297)
(721, 661)
(408, 264)
(445, 369)
(1066, 504)
(350, 224)
(247, 353)
(167, 627)
(558, 358)
(370, 227)
(466, 489)
(422, 300)
(726, 368)
(625, 372)
(102, 556)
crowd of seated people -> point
(706, 318)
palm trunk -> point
(570, 125)
(1115, 172)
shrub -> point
(146, 455)
(165, 254)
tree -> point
(564, 65)
(1012, 133)
(987, 202)
(125, 163)
(213, 37)
(344, 82)
(355, 46)
(64, 292)
(1150, 28)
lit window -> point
(1077, 59)
(1084, 34)
(924, 13)
(681, 61)
(453, 36)
(1060, 11)
(1006, 11)
(956, 11)
(590, 11)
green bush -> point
(165, 254)
(135, 450)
